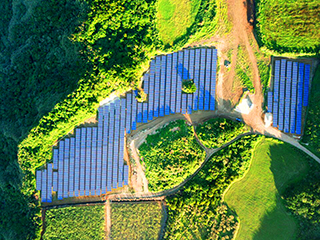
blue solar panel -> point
(55, 158)
(82, 160)
(174, 83)
(196, 79)
(116, 150)
(60, 169)
(66, 167)
(162, 85)
(282, 94)
(71, 167)
(179, 69)
(306, 85)
(145, 113)
(152, 90)
(77, 163)
(299, 98)
(293, 98)
(168, 84)
(133, 113)
(202, 79)
(288, 97)
(157, 87)
(38, 180)
(55, 181)
(93, 161)
(44, 186)
(128, 114)
(49, 182)
(139, 113)
(276, 93)
(126, 175)
(213, 79)
(191, 74)
(270, 100)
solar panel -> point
(128, 115)
(184, 103)
(213, 80)
(134, 113)
(55, 181)
(196, 79)
(157, 87)
(207, 79)
(60, 169)
(270, 99)
(152, 90)
(293, 98)
(44, 186)
(126, 175)
(49, 186)
(276, 93)
(162, 85)
(55, 158)
(116, 146)
(282, 94)
(139, 113)
(168, 84)
(306, 85)
(93, 160)
(299, 98)
(82, 160)
(71, 167)
(38, 180)
(174, 83)
(179, 68)
(202, 79)
(66, 167)
(288, 97)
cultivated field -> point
(86, 222)
(135, 220)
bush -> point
(188, 86)
(218, 131)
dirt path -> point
(107, 219)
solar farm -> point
(91, 162)
(289, 95)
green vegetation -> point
(196, 212)
(135, 220)
(188, 86)
(174, 17)
(312, 127)
(243, 69)
(302, 199)
(75, 223)
(289, 26)
(171, 155)
(218, 131)
(65, 57)
(274, 165)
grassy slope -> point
(256, 198)
(75, 223)
(171, 155)
(174, 17)
(135, 221)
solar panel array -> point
(290, 94)
(91, 162)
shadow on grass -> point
(288, 166)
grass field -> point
(75, 223)
(171, 155)
(256, 198)
(243, 69)
(135, 220)
(174, 17)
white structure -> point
(268, 118)
(245, 106)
